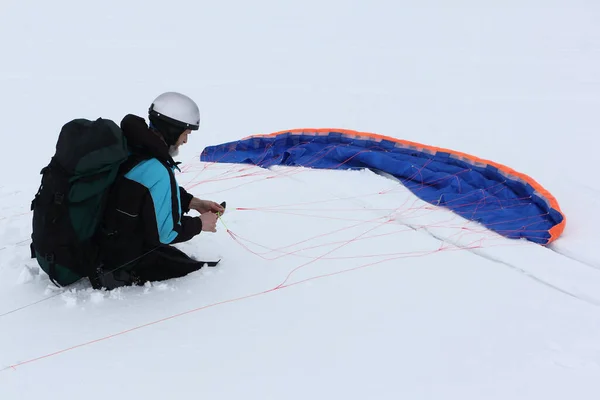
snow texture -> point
(333, 284)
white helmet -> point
(176, 109)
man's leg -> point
(166, 262)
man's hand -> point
(206, 206)
(209, 222)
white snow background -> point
(380, 295)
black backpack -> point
(69, 205)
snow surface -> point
(333, 284)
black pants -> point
(162, 263)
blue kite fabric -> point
(501, 199)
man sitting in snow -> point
(145, 209)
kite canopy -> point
(503, 200)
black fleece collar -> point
(143, 142)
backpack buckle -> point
(59, 198)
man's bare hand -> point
(206, 206)
(209, 222)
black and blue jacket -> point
(146, 205)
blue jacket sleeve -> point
(165, 201)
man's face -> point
(183, 138)
(174, 150)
